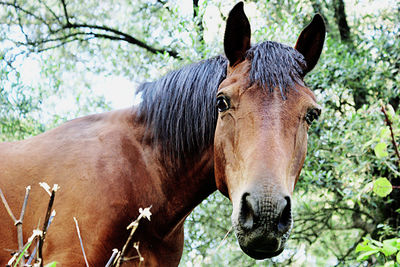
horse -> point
(236, 123)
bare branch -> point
(104, 31)
(65, 11)
(50, 10)
(120, 36)
(17, 7)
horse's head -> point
(260, 142)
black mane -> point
(179, 109)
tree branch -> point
(119, 36)
(105, 32)
(64, 5)
(389, 123)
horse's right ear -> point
(311, 41)
(237, 35)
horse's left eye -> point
(312, 115)
(223, 103)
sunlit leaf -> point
(381, 150)
(388, 249)
(365, 255)
(382, 187)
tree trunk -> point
(341, 21)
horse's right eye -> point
(223, 103)
(312, 115)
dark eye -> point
(312, 115)
(223, 103)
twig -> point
(111, 260)
(53, 214)
(7, 207)
(389, 123)
(46, 221)
(18, 223)
(133, 226)
(65, 11)
(35, 234)
(351, 249)
(225, 237)
(80, 240)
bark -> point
(199, 20)
(341, 21)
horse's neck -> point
(180, 190)
(190, 187)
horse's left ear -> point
(237, 35)
(311, 41)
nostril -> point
(246, 215)
(285, 218)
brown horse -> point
(238, 124)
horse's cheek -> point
(220, 172)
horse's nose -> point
(248, 208)
(279, 212)
(285, 217)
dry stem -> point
(133, 226)
(18, 223)
(80, 240)
(46, 223)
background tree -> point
(350, 147)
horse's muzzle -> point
(262, 224)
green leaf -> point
(398, 257)
(22, 254)
(365, 255)
(385, 133)
(366, 247)
(382, 187)
(394, 242)
(388, 248)
(389, 264)
(390, 111)
(381, 150)
(51, 264)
